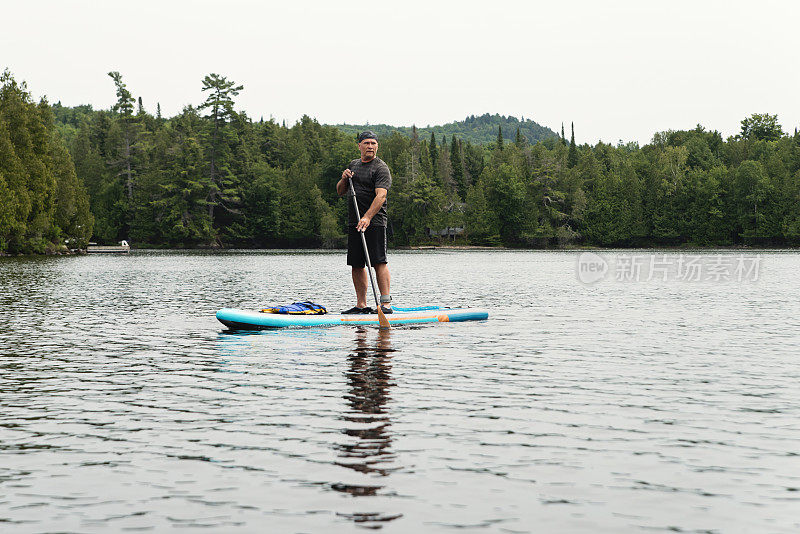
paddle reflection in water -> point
(368, 422)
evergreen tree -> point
(434, 154)
(506, 194)
(43, 202)
(481, 222)
(416, 208)
(457, 164)
(124, 107)
(611, 215)
(219, 104)
(519, 140)
(500, 137)
(473, 157)
(16, 204)
(183, 208)
(445, 168)
(572, 156)
(425, 165)
(72, 217)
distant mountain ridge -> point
(477, 130)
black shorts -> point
(376, 244)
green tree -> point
(43, 203)
(482, 225)
(706, 216)
(182, 208)
(667, 195)
(444, 172)
(73, 220)
(416, 207)
(457, 164)
(611, 214)
(474, 160)
(791, 219)
(124, 107)
(761, 126)
(753, 193)
(505, 192)
(219, 103)
(16, 204)
(434, 154)
(572, 155)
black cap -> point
(369, 134)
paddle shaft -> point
(364, 243)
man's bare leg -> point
(384, 280)
(360, 284)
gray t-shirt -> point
(366, 177)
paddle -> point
(384, 322)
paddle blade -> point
(382, 318)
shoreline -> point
(590, 248)
(73, 252)
(434, 248)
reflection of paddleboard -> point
(252, 320)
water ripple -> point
(616, 407)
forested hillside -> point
(482, 130)
(210, 177)
(43, 205)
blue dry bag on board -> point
(298, 308)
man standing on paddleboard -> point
(371, 182)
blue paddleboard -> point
(254, 320)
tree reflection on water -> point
(369, 422)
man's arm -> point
(380, 198)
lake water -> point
(648, 403)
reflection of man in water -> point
(368, 377)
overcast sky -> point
(621, 70)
